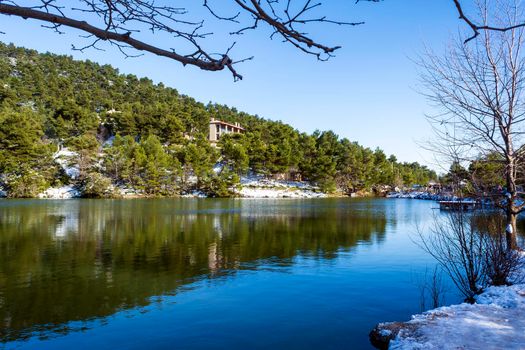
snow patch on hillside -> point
(256, 186)
(108, 142)
(194, 194)
(126, 192)
(66, 159)
(12, 61)
(64, 192)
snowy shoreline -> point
(250, 187)
(259, 187)
(495, 321)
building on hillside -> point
(218, 128)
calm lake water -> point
(207, 273)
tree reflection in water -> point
(80, 260)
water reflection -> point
(79, 260)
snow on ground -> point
(65, 158)
(495, 321)
(3, 191)
(256, 186)
(278, 193)
(126, 192)
(64, 192)
(195, 194)
(108, 142)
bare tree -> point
(119, 22)
(478, 88)
(472, 250)
(459, 249)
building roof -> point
(220, 122)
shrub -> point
(472, 250)
(96, 185)
(501, 264)
(27, 184)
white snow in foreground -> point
(496, 321)
(64, 192)
(65, 158)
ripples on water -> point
(200, 274)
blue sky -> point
(367, 93)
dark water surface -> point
(206, 273)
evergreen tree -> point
(160, 142)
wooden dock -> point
(458, 205)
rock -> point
(383, 333)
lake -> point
(208, 273)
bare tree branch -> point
(476, 29)
(117, 22)
(199, 59)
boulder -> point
(383, 333)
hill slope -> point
(78, 123)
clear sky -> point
(367, 93)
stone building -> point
(218, 128)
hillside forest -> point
(127, 132)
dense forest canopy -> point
(159, 137)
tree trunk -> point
(510, 231)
